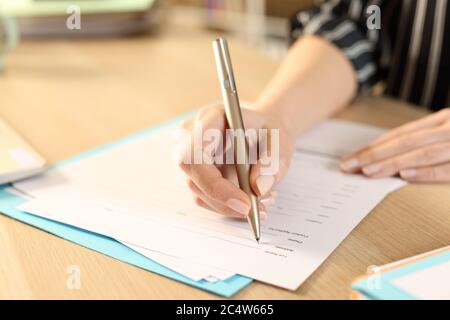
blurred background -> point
(77, 74)
(263, 23)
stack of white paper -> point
(136, 194)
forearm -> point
(314, 81)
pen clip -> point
(223, 62)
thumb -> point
(272, 164)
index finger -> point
(433, 120)
(211, 182)
(396, 146)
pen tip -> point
(257, 240)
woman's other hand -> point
(418, 151)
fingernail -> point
(371, 169)
(263, 215)
(238, 206)
(268, 201)
(264, 183)
(350, 164)
(408, 173)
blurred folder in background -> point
(425, 276)
(53, 18)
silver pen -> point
(235, 122)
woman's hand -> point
(214, 183)
(418, 151)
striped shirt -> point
(410, 52)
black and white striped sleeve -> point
(343, 22)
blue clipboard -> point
(387, 290)
(107, 245)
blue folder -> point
(109, 246)
(386, 289)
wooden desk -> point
(66, 97)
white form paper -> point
(316, 208)
(188, 269)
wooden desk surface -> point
(66, 97)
